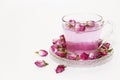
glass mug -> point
(83, 40)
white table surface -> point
(29, 25)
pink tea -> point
(82, 33)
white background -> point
(29, 25)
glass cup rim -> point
(95, 14)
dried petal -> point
(41, 63)
(60, 68)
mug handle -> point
(107, 30)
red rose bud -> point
(60, 68)
(84, 56)
(41, 63)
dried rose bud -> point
(92, 56)
(107, 45)
(54, 48)
(72, 22)
(55, 41)
(71, 56)
(80, 27)
(60, 68)
(61, 54)
(90, 23)
(84, 56)
(41, 63)
(42, 53)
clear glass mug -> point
(84, 40)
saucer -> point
(60, 54)
(81, 63)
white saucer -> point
(81, 63)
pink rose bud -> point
(91, 23)
(61, 54)
(41, 63)
(80, 26)
(84, 56)
(55, 41)
(60, 68)
(99, 54)
(42, 53)
(54, 48)
(99, 42)
(72, 23)
(104, 53)
(92, 56)
(72, 56)
(107, 45)
(62, 37)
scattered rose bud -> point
(41, 63)
(71, 56)
(54, 48)
(84, 56)
(90, 23)
(92, 56)
(60, 68)
(61, 54)
(42, 53)
(99, 54)
(62, 38)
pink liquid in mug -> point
(86, 40)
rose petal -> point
(60, 68)
(41, 63)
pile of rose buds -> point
(43, 63)
(59, 48)
(77, 26)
